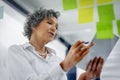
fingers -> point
(100, 64)
(78, 51)
(83, 53)
(90, 45)
(78, 43)
(87, 47)
(83, 50)
(94, 64)
(101, 61)
(89, 66)
(99, 67)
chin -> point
(50, 39)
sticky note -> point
(117, 0)
(86, 3)
(1, 12)
(118, 27)
(103, 1)
(85, 15)
(69, 4)
(106, 12)
(104, 30)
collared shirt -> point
(25, 63)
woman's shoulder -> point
(17, 46)
(13, 47)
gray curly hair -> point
(35, 18)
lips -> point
(52, 33)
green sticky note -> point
(1, 12)
(104, 30)
(85, 15)
(106, 12)
(69, 4)
(118, 26)
(103, 1)
(86, 3)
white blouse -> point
(24, 63)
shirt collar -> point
(50, 50)
(27, 45)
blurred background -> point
(88, 20)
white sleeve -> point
(20, 68)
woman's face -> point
(46, 30)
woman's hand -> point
(75, 54)
(93, 69)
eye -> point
(49, 23)
(57, 27)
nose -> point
(53, 28)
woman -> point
(33, 60)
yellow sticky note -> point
(85, 15)
(86, 2)
(103, 1)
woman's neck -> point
(39, 45)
